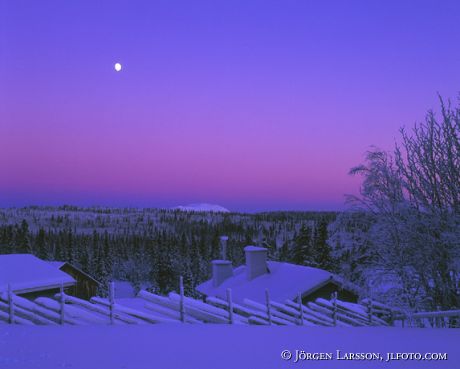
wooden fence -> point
(151, 308)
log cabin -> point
(85, 286)
(282, 280)
(31, 277)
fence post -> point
(334, 307)
(439, 320)
(62, 304)
(181, 303)
(391, 318)
(112, 301)
(10, 305)
(230, 305)
(269, 310)
(299, 300)
(369, 311)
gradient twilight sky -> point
(253, 105)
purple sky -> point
(253, 105)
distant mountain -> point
(203, 207)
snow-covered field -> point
(214, 346)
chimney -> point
(256, 261)
(223, 245)
(221, 270)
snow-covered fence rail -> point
(117, 308)
(31, 311)
(150, 308)
(387, 313)
(319, 313)
(438, 319)
(189, 309)
(89, 309)
(71, 311)
(64, 309)
(351, 314)
(436, 314)
(176, 307)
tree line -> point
(175, 243)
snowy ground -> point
(214, 346)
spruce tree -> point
(22, 241)
(301, 254)
(322, 252)
(40, 244)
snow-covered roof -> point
(59, 264)
(254, 248)
(284, 281)
(27, 273)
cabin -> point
(85, 287)
(282, 280)
(31, 277)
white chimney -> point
(221, 270)
(256, 261)
(223, 246)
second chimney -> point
(256, 261)
(221, 270)
(223, 247)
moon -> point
(117, 67)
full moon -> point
(117, 67)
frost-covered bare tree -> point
(429, 162)
(412, 200)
